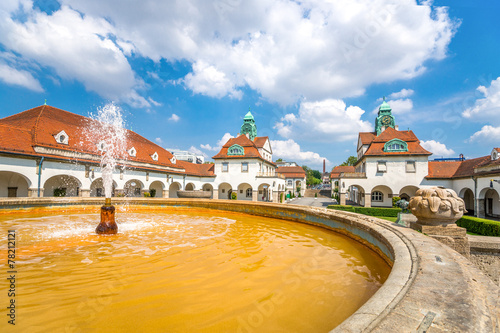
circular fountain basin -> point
(188, 270)
(194, 194)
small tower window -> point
(173, 159)
(155, 156)
(132, 152)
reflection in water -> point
(188, 270)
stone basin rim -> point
(397, 304)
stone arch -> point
(265, 192)
(97, 188)
(468, 196)
(156, 188)
(172, 189)
(491, 203)
(354, 193)
(208, 188)
(13, 184)
(225, 191)
(133, 188)
(190, 187)
(245, 192)
(407, 192)
(385, 200)
(62, 185)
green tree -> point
(313, 177)
(279, 160)
(351, 160)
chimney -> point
(324, 170)
(396, 127)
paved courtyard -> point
(313, 202)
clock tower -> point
(384, 118)
(249, 126)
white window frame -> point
(410, 169)
(225, 165)
(248, 193)
(243, 165)
(381, 166)
(377, 196)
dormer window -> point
(101, 146)
(235, 150)
(494, 155)
(396, 145)
(62, 138)
(155, 156)
(132, 152)
(173, 159)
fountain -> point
(108, 131)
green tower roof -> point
(384, 106)
(248, 116)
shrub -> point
(281, 197)
(152, 192)
(299, 195)
(59, 192)
(372, 211)
(234, 196)
(480, 226)
(315, 195)
(394, 200)
(146, 194)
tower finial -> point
(45, 102)
(384, 98)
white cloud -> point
(77, 46)
(285, 50)
(398, 106)
(152, 101)
(175, 118)
(437, 148)
(487, 108)
(196, 151)
(291, 151)
(219, 143)
(401, 94)
(159, 141)
(324, 121)
(486, 134)
(17, 77)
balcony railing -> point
(353, 175)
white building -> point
(393, 163)
(185, 155)
(295, 178)
(44, 152)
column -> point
(215, 193)
(480, 208)
(255, 195)
(84, 193)
(368, 199)
(33, 192)
(342, 197)
(165, 193)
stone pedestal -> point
(165, 193)
(450, 235)
(342, 199)
(215, 194)
(405, 219)
(84, 193)
(368, 199)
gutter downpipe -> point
(40, 174)
(475, 196)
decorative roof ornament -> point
(249, 126)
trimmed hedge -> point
(372, 211)
(480, 226)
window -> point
(155, 156)
(61, 137)
(132, 152)
(381, 166)
(377, 196)
(290, 182)
(396, 145)
(225, 166)
(249, 193)
(235, 150)
(410, 166)
(244, 167)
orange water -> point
(185, 270)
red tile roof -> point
(260, 141)
(454, 169)
(367, 137)
(22, 132)
(340, 169)
(376, 147)
(291, 171)
(249, 147)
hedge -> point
(372, 211)
(480, 226)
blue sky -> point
(313, 73)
